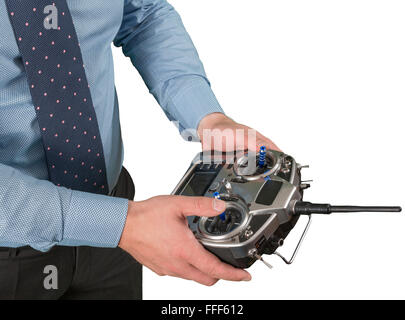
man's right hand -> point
(156, 234)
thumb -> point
(200, 206)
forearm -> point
(37, 213)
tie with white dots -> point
(60, 92)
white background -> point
(325, 80)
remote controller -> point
(264, 200)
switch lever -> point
(268, 265)
(253, 253)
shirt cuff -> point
(194, 102)
(94, 220)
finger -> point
(254, 140)
(213, 267)
(189, 272)
(200, 206)
(268, 144)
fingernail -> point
(247, 278)
(219, 205)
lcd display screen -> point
(199, 183)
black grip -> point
(311, 208)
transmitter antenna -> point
(307, 208)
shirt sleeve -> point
(153, 36)
(39, 214)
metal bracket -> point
(291, 260)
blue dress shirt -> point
(35, 212)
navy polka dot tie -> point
(60, 92)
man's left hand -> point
(234, 136)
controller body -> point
(260, 205)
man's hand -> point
(218, 125)
(156, 234)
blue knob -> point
(222, 216)
(262, 156)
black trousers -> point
(72, 272)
